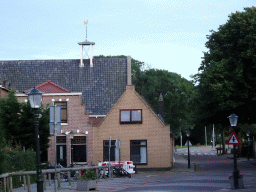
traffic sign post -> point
(233, 140)
(55, 128)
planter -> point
(240, 182)
(86, 185)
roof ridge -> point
(48, 82)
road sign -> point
(55, 114)
(118, 143)
(233, 140)
(55, 119)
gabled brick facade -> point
(152, 134)
(77, 119)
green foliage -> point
(18, 160)
(177, 94)
(227, 78)
(88, 175)
(9, 115)
(17, 123)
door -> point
(62, 155)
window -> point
(131, 116)
(63, 105)
(106, 150)
(139, 152)
(78, 144)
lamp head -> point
(233, 120)
(247, 133)
(188, 133)
(35, 98)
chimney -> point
(161, 105)
(129, 71)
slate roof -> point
(101, 85)
(49, 87)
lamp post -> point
(233, 122)
(220, 141)
(248, 135)
(35, 98)
(188, 135)
(71, 133)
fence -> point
(25, 176)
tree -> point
(17, 123)
(227, 73)
(177, 94)
(10, 115)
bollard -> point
(44, 175)
(28, 183)
(195, 167)
(24, 181)
(69, 178)
(58, 174)
(49, 178)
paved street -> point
(212, 175)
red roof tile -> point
(49, 87)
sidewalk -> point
(180, 164)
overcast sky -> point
(166, 34)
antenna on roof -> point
(89, 53)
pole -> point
(205, 137)
(248, 149)
(188, 155)
(40, 180)
(180, 138)
(55, 150)
(213, 137)
(235, 172)
(109, 146)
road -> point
(212, 175)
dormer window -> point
(130, 116)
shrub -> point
(18, 160)
(88, 175)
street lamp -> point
(188, 135)
(71, 133)
(35, 98)
(233, 122)
(248, 135)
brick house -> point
(73, 118)
(145, 138)
(3, 91)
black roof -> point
(101, 85)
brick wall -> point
(3, 93)
(77, 120)
(157, 134)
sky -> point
(165, 34)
